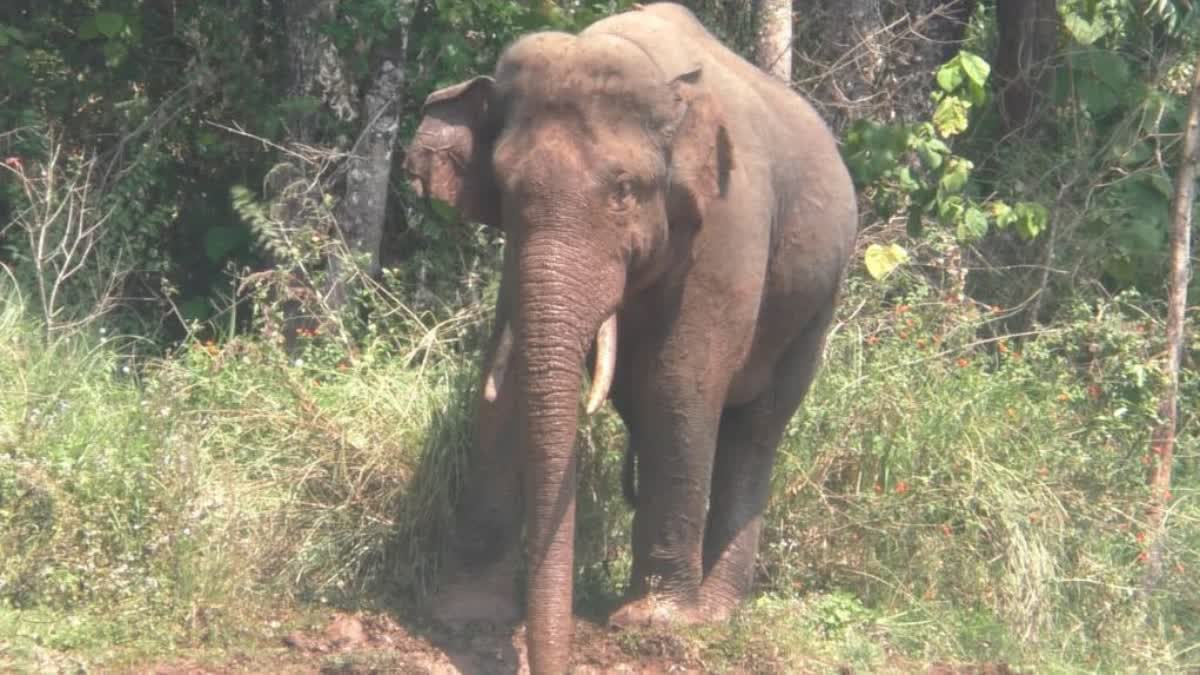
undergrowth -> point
(947, 493)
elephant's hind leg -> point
(746, 448)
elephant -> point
(677, 222)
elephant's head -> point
(597, 161)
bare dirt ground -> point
(358, 644)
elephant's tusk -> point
(606, 363)
(489, 388)
(495, 376)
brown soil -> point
(358, 644)
(370, 643)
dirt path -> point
(359, 644)
(370, 643)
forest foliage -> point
(185, 418)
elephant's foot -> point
(656, 611)
(721, 600)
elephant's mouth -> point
(602, 372)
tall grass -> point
(945, 492)
(189, 485)
(988, 494)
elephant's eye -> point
(623, 194)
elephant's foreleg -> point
(674, 439)
(741, 483)
(484, 553)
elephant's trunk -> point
(558, 313)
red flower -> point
(13, 163)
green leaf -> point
(1083, 31)
(109, 23)
(1031, 219)
(950, 211)
(972, 226)
(1003, 214)
(1162, 184)
(882, 260)
(908, 184)
(975, 67)
(958, 170)
(976, 93)
(950, 117)
(930, 156)
(950, 75)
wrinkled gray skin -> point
(644, 169)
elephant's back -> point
(760, 104)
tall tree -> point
(364, 206)
(1163, 441)
(318, 71)
(773, 37)
(1027, 37)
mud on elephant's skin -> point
(677, 221)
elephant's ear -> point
(701, 149)
(449, 158)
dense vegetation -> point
(196, 436)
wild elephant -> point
(679, 222)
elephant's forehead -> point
(596, 71)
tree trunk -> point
(314, 66)
(1163, 441)
(362, 212)
(1028, 33)
(773, 37)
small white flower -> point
(125, 369)
(299, 363)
